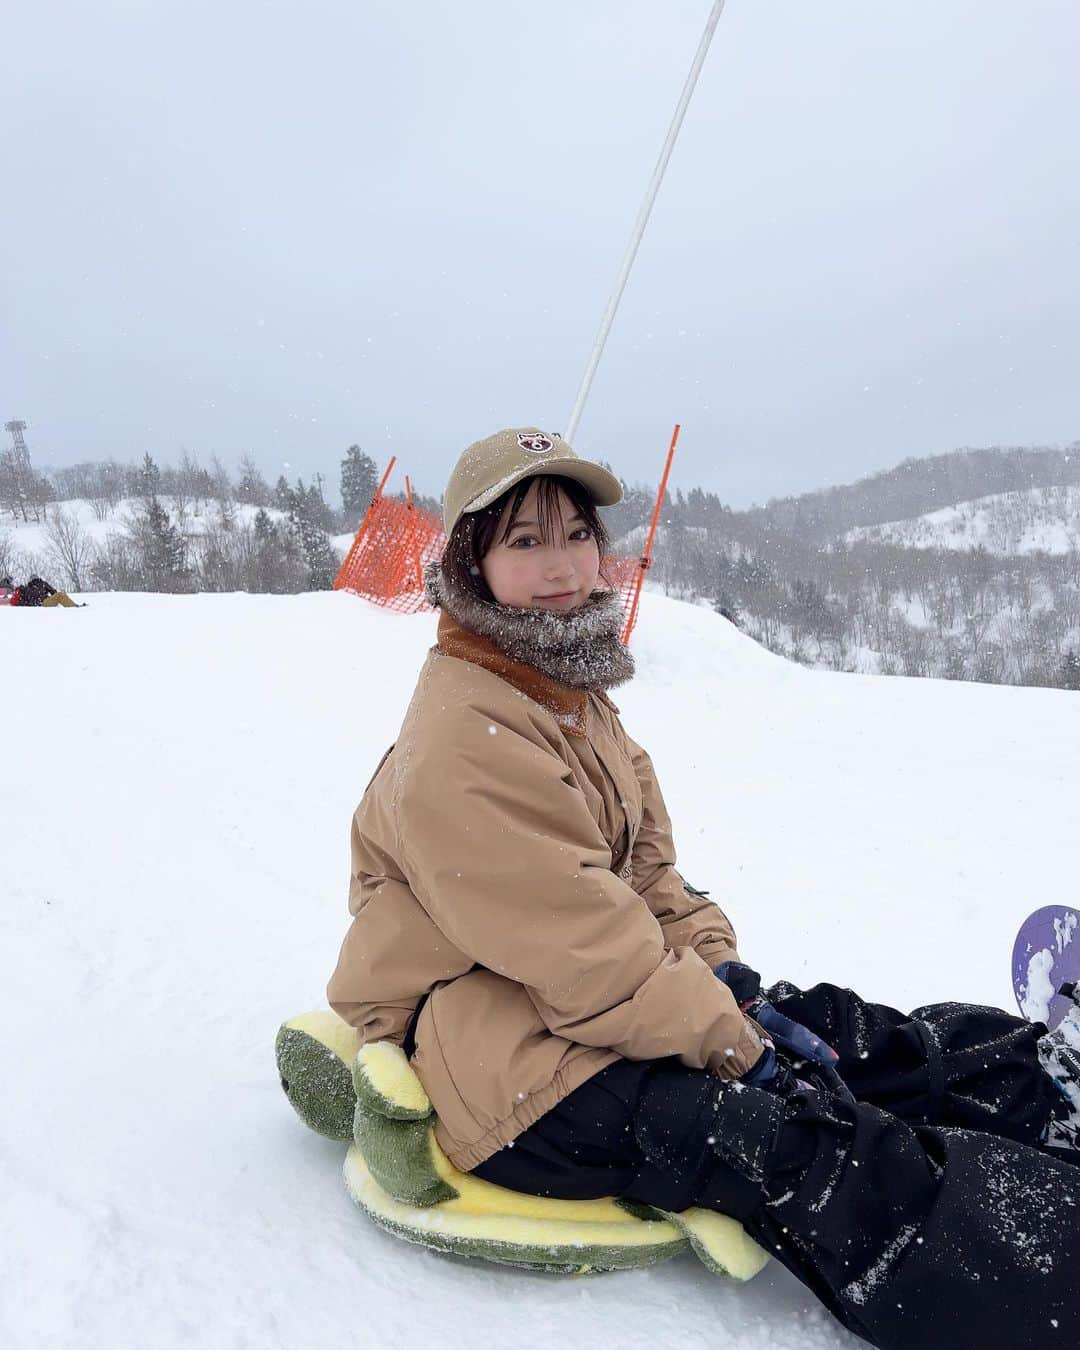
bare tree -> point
(69, 547)
(116, 565)
(73, 481)
(105, 488)
(221, 485)
(8, 555)
(177, 485)
(23, 491)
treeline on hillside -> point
(918, 486)
(784, 573)
(955, 614)
(875, 605)
(182, 528)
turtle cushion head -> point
(315, 1053)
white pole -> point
(643, 218)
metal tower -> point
(22, 454)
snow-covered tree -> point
(359, 479)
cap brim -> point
(604, 488)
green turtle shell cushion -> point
(400, 1177)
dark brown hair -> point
(475, 531)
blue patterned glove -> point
(798, 1041)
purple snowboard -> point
(1046, 955)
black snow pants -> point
(925, 1217)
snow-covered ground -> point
(179, 774)
(1038, 520)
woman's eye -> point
(524, 539)
(582, 534)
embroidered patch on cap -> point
(535, 441)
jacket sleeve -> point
(500, 848)
(687, 920)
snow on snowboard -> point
(1046, 964)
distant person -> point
(38, 593)
(7, 590)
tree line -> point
(178, 528)
(830, 598)
(809, 577)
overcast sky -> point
(286, 228)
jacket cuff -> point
(735, 1060)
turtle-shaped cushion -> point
(400, 1177)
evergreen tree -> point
(315, 507)
(306, 523)
(322, 562)
(276, 565)
(283, 495)
(149, 479)
(1070, 669)
(162, 550)
(359, 479)
(252, 489)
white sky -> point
(285, 228)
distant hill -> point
(964, 566)
(916, 487)
(1038, 520)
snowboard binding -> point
(400, 1177)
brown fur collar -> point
(556, 659)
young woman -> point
(579, 1015)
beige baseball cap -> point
(490, 467)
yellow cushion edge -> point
(328, 1029)
(534, 1222)
(392, 1076)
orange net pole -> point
(645, 562)
(418, 563)
(354, 547)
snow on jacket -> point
(512, 857)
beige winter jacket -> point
(512, 857)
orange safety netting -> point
(385, 563)
(386, 560)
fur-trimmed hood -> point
(580, 648)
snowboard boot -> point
(1059, 1054)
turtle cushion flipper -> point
(386, 1083)
(719, 1242)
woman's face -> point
(531, 572)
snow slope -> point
(179, 778)
(1038, 520)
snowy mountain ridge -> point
(1043, 519)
